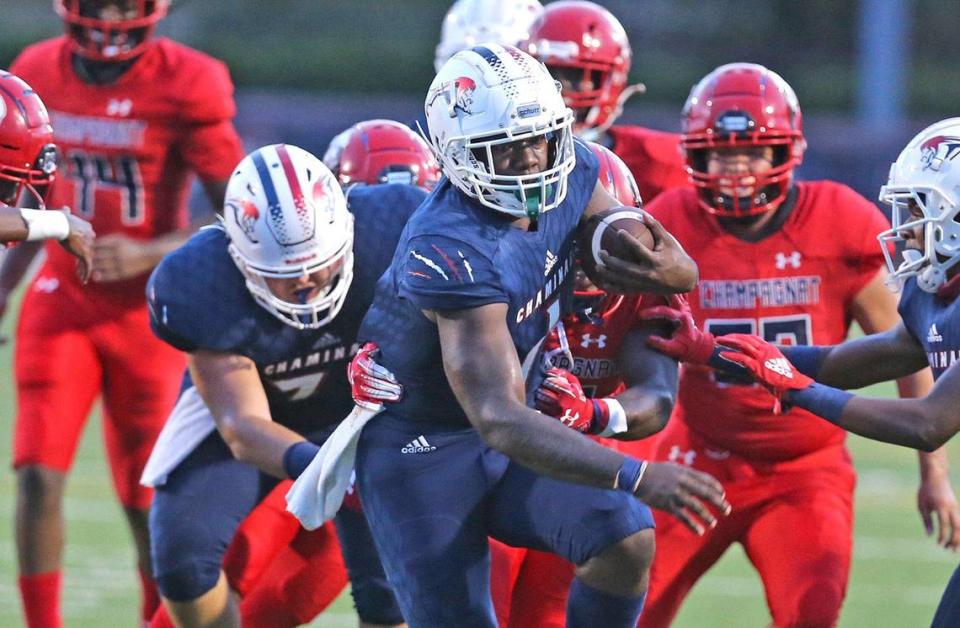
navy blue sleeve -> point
(442, 273)
(197, 298)
(907, 307)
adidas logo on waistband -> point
(418, 445)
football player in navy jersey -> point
(475, 285)
(267, 305)
(925, 184)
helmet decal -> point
(463, 88)
(937, 150)
(246, 214)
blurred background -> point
(869, 74)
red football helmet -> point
(586, 43)
(742, 105)
(27, 153)
(102, 39)
(382, 151)
(615, 177)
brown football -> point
(600, 231)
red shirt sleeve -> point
(210, 143)
(864, 254)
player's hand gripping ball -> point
(601, 232)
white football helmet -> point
(469, 22)
(927, 173)
(286, 217)
(495, 94)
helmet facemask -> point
(316, 312)
(116, 38)
(770, 187)
(18, 185)
(941, 235)
(469, 160)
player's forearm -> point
(647, 411)
(853, 364)
(13, 228)
(934, 464)
(15, 263)
(258, 441)
(546, 446)
(915, 423)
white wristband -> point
(45, 224)
(618, 418)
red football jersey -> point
(653, 157)
(129, 149)
(594, 344)
(795, 286)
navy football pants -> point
(433, 496)
(948, 611)
(196, 513)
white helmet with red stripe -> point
(286, 217)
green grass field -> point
(897, 578)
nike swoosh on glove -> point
(765, 363)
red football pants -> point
(793, 518)
(69, 351)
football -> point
(600, 231)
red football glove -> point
(687, 343)
(766, 364)
(370, 383)
(561, 396)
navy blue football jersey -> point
(457, 254)
(198, 300)
(934, 322)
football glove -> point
(371, 384)
(561, 396)
(766, 364)
(687, 343)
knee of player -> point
(814, 606)
(639, 549)
(40, 489)
(187, 580)
(628, 560)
